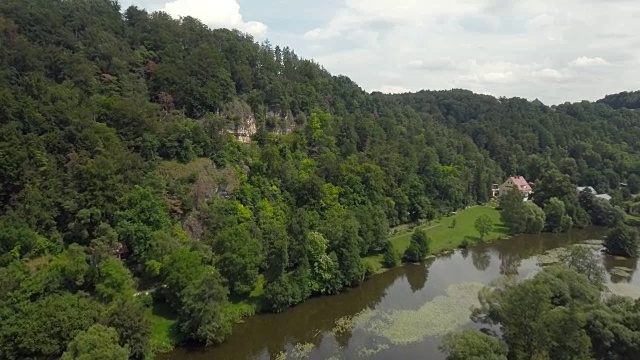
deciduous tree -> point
(483, 225)
(98, 342)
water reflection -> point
(416, 276)
(465, 253)
(481, 258)
(509, 263)
(326, 324)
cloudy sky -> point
(553, 50)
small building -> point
(586, 188)
(495, 190)
(593, 192)
(604, 196)
(516, 182)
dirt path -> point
(411, 231)
(150, 291)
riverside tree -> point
(418, 247)
(483, 225)
(622, 240)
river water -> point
(400, 314)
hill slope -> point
(121, 170)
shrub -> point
(622, 241)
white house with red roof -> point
(517, 182)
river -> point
(400, 314)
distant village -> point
(520, 183)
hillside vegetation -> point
(121, 171)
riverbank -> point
(444, 237)
(164, 335)
(401, 313)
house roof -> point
(587, 188)
(604, 196)
(520, 182)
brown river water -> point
(400, 314)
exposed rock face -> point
(243, 122)
(247, 128)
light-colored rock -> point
(622, 271)
(593, 242)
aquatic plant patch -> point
(622, 271)
(364, 352)
(435, 318)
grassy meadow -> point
(445, 237)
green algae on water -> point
(343, 325)
(299, 352)
(364, 352)
(623, 272)
(435, 318)
(551, 257)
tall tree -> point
(99, 343)
(202, 312)
(418, 246)
(557, 219)
(622, 240)
(241, 255)
(483, 225)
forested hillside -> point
(121, 171)
(626, 99)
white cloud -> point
(542, 49)
(587, 61)
(385, 12)
(216, 14)
(547, 73)
(392, 89)
(553, 50)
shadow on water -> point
(405, 289)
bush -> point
(146, 300)
(622, 241)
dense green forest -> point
(124, 182)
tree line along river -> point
(399, 314)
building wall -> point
(508, 185)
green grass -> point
(240, 308)
(164, 335)
(444, 237)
